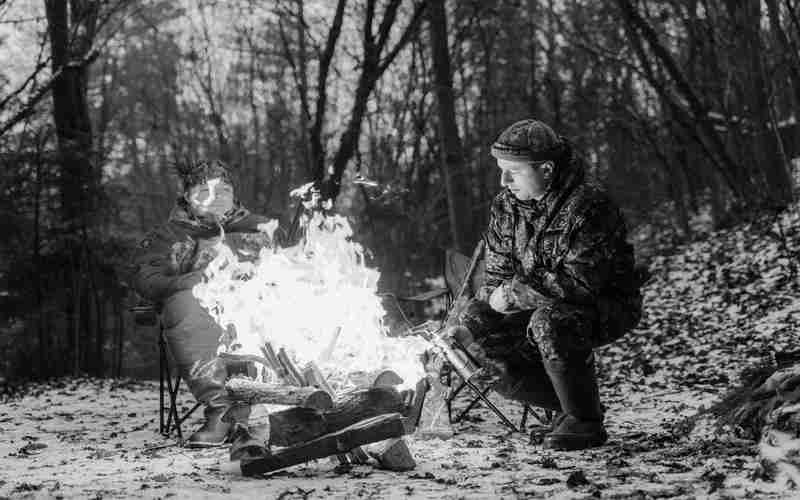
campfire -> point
(309, 322)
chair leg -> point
(173, 402)
(162, 366)
(524, 420)
(471, 405)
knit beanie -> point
(528, 140)
(194, 172)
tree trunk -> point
(79, 180)
(453, 166)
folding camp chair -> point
(456, 268)
(169, 419)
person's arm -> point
(586, 267)
(498, 249)
(153, 277)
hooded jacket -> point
(569, 246)
(170, 253)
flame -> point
(317, 300)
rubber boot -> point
(581, 425)
(213, 432)
(206, 381)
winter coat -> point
(570, 246)
(168, 263)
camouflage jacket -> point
(569, 246)
(185, 244)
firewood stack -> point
(367, 421)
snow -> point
(713, 308)
(89, 438)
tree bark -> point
(452, 155)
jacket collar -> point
(183, 217)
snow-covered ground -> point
(98, 439)
(712, 309)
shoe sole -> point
(202, 444)
(548, 444)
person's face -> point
(214, 198)
(526, 180)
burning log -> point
(376, 378)
(313, 377)
(253, 392)
(367, 431)
(296, 425)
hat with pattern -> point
(194, 172)
(528, 140)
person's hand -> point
(500, 300)
(459, 334)
(525, 296)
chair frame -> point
(169, 418)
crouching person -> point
(171, 261)
(560, 281)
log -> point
(245, 445)
(291, 371)
(250, 391)
(296, 425)
(313, 377)
(375, 378)
(414, 411)
(250, 358)
(366, 431)
(392, 454)
(363, 404)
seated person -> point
(559, 282)
(171, 260)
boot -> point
(206, 381)
(581, 425)
(213, 432)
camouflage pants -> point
(556, 331)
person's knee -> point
(560, 331)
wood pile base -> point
(318, 426)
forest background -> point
(686, 110)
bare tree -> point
(452, 155)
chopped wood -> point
(251, 391)
(375, 378)
(328, 352)
(362, 404)
(269, 354)
(414, 411)
(245, 445)
(252, 358)
(296, 425)
(313, 377)
(366, 431)
(291, 371)
(392, 454)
